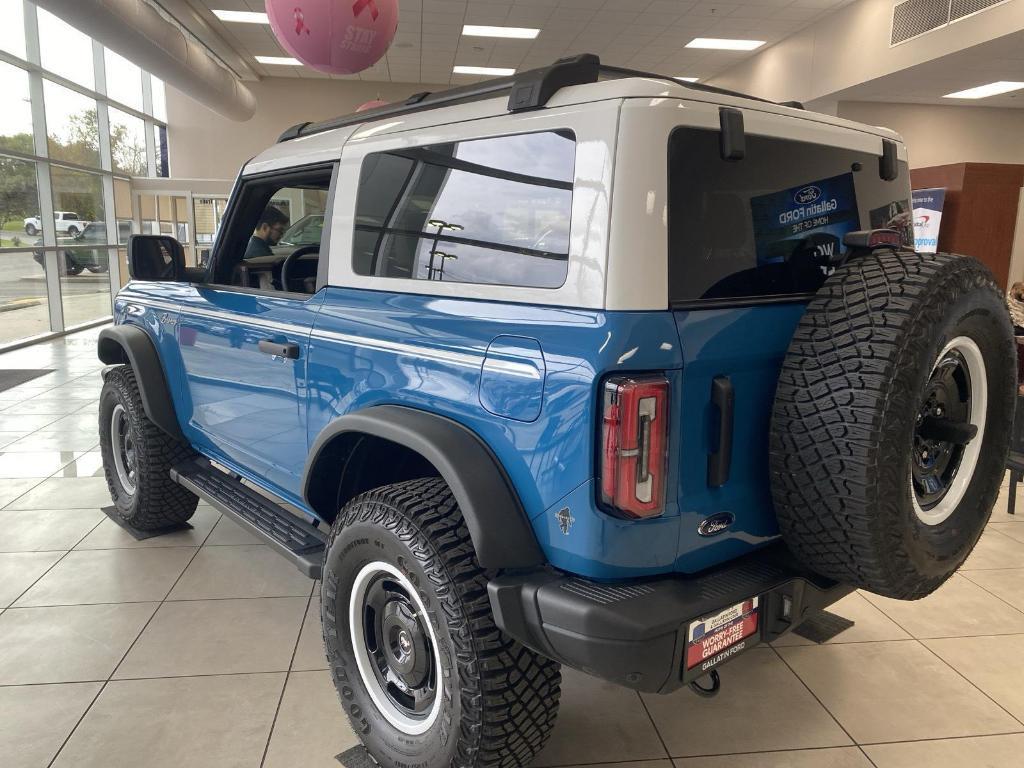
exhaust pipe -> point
(136, 31)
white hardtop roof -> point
(326, 145)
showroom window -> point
(428, 213)
(78, 121)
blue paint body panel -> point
(512, 379)
(524, 378)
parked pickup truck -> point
(68, 223)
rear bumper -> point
(635, 633)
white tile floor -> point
(203, 648)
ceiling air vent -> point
(915, 17)
(958, 9)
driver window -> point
(273, 240)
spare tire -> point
(891, 421)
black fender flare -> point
(120, 344)
(497, 523)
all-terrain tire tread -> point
(509, 693)
(158, 501)
(845, 391)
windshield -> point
(305, 231)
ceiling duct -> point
(912, 18)
(138, 32)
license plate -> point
(713, 639)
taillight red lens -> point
(634, 444)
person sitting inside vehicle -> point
(269, 231)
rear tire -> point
(401, 576)
(138, 456)
(863, 490)
(31, 230)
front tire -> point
(424, 674)
(138, 456)
(31, 230)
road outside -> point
(24, 309)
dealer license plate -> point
(716, 638)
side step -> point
(293, 537)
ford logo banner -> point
(807, 195)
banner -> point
(927, 217)
(815, 215)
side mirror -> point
(156, 257)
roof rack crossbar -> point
(527, 90)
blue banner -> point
(822, 211)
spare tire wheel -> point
(892, 419)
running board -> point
(293, 537)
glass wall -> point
(78, 121)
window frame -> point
(227, 238)
(594, 125)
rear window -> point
(492, 211)
(762, 227)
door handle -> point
(277, 349)
(720, 459)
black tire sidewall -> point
(112, 395)
(355, 546)
(935, 550)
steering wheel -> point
(292, 257)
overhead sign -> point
(927, 218)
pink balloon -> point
(371, 105)
(340, 37)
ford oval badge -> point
(807, 195)
(714, 525)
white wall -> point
(204, 145)
(851, 46)
(939, 135)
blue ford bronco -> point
(583, 366)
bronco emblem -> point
(565, 520)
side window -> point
(492, 211)
(767, 225)
(275, 231)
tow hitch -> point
(707, 692)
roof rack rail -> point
(527, 90)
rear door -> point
(749, 244)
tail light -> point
(634, 444)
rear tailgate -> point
(750, 241)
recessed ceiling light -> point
(242, 17)
(984, 91)
(723, 44)
(687, 79)
(458, 69)
(284, 61)
(522, 33)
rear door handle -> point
(720, 460)
(277, 349)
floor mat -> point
(140, 535)
(12, 377)
(822, 626)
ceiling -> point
(987, 62)
(641, 34)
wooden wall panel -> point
(980, 213)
